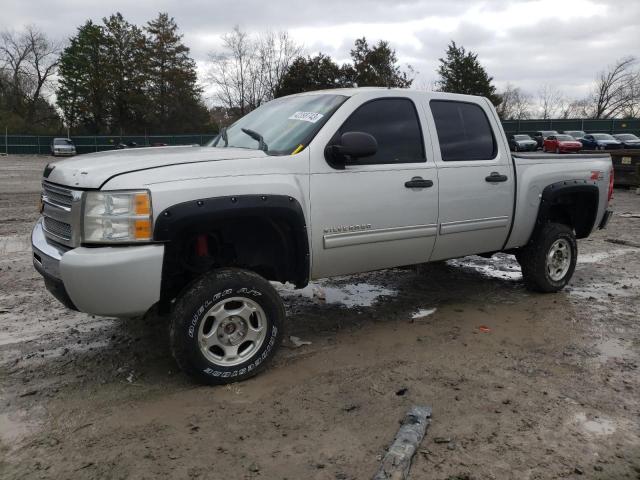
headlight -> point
(119, 216)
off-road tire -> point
(533, 258)
(191, 309)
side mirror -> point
(352, 145)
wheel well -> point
(572, 203)
(263, 234)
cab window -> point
(394, 123)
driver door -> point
(379, 211)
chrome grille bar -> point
(61, 212)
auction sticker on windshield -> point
(306, 116)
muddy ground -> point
(522, 385)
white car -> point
(307, 186)
(62, 147)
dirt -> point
(522, 385)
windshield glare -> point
(603, 136)
(565, 138)
(286, 124)
(62, 141)
(522, 137)
(626, 136)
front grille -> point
(57, 195)
(58, 229)
(61, 214)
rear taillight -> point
(610, 184)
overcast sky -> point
(563, 43)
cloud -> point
(524, 42)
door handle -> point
(418, 182)
(495, 177)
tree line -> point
(116, 78)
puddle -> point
(15, 244)
(350, 295)
(595, 426)
(423, 312)
(500, 266)
(600, 256)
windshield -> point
(602, 136)
(522, 137)
(62, 141)
(282, 126)
(626, 136)
(565, 138)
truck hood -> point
(94, 169)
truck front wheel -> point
(549, 260)
(227, 326)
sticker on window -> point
(312, 117)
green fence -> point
(34, 145)
(41, 145)
(587, 125)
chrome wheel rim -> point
(558, 259)
(232, 331)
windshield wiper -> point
(257, 137)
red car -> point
(561, 144)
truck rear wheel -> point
(549, 260)
(227, 326)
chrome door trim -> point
(474, 224)
(336, 240)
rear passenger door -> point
(475, 175)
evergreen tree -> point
(172, 80)
(314, 73)
(125, 50)
(461, 72)
(377, 66)
(83, 90)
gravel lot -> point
(522, 385)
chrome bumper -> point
(46, 257)
(109, 281)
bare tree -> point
(515, 104)
(42, 64)
(550, 102)
(616, 90)
(249, 70)
(14, 52)
(29, 60)
(276, 51)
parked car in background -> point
(541, 135)
(62, 147)
(561, 143)
(577, 134)
(600, 141)
(628, 140)
(522, 143)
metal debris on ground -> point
(296, 342)
(397, 461)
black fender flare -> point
(553, 193)
(174, 220)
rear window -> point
(464, 132)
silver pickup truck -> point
(305, 187)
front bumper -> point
(110, 281)
(64, 153)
